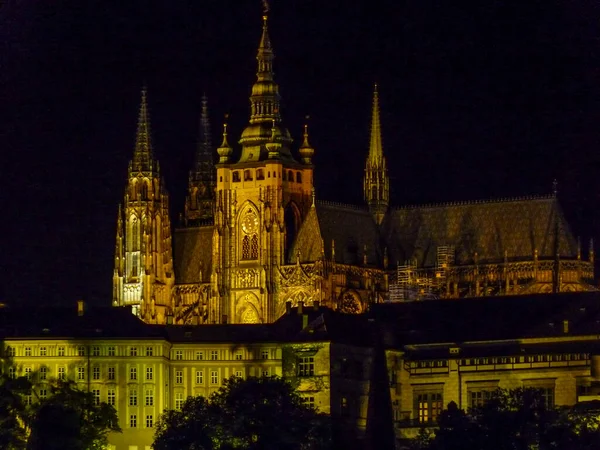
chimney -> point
(300, 307)
(80, 307)
(288, 307)
(316, 305)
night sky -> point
(481, 99)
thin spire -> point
(375, 147)
(142, 156)
(203, 164)
(306, 150)
(225, 149)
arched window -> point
(260, 174)
(254, 247)
(298, 177)
(283, 177)
(135, 235)
(236, 177)
(247, 175)
(246, 247)
(290, 176)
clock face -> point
(250, 223)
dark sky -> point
(479, 99)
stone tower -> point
(199, 202)
(143, 275)
(376, 181)
(261, 200)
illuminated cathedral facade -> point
(253, 240)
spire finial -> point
(312, 193)
(225, 149)
(142, 155)
(306, 150)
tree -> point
(256, 413)
(70, 419)
(515, 420)
(13, 411)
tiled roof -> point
(193, 254)
(349, 226)
(517, 226)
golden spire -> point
(142, 155)
(375, 147)
(306, 150)
(224, 149)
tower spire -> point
(142, 155)
(376, 180)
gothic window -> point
(247, 175)
(246, 247)
(236, 177)
(254, 247)
(135, 234)
(298, 177)
(249, 226)
(144, 188)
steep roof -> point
(193, 254)
(517, 226)
(350, 227)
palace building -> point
(254, 234)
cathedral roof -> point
(193, 254)
(349, 228)
(488, 228)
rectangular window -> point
(214, 377)
(149, 397)
(133, 374)
(110, 397)
(96, 394)
(111, 373)
(238, 374)
(239, 356)
(27, 351)
(10, 352)
(545, 388)
(81, 350)
(149, 351)
(43, 373)
(477, 398)
(111, 351)
(81, 373)
(132, 351)
(214, 355)
(132, 421)
(133, 397)
(12, 372)
(309, 401)
(28, 373)
(96, 373)
(306, 366)
(149, 421)
(199, 356)
(61, 373)
(43, 394)
(178, 377)
(265, 354)
(199, 377)
(95, 351)
(179, 355)
(43, 351)
(548, 396)
(265, 373)
(178, 400)
(61, 351)
(149, 374)
(428, 406)
(28, 400)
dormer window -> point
(236, 177)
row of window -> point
(502, 360)
(133, 421)
(216, 355)
(249, 175)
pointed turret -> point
(306, 150)
(264, 107)
(142, 155)
(201, 185)
(376, 181)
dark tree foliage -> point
(514, 420)
(70, 420)
(256, 413)
(13, 413)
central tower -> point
(261, 200)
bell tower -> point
(376, 180)
(261, 200)
(143, 274)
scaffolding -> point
(444, 260)
(411, 283)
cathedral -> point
(255, 240)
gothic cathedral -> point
(253, 240)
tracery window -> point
(249, 226)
